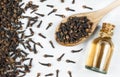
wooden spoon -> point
(94, 17)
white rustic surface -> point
(78, 69)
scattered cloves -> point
(23, 45)
(31, 40)
(60, 15)
(51, 6)
(28, 24)
(49, 25)
(70, 61)
(28, 44)
(34, 49)
(51, 43)
(69, 9)
(46, 55)
(75, 51)
(73, 1)
(30, 63)
(27, 36)
(38, 74)
(31, 31)
(40, 34)
(39, 44)
(29, 48)
(70, 73)
(62, 1)
(25, 53)
(57, 73)
(87, 7)
(59, 59)
(53, 11)
(31, 6)
(27, 68)
(38, 26)
(33, 11)
(21, 4)
(24, 59)
(42, 15)
(50, 74)
(22, 35)
(45, 64)
(34, 21)
(42, 0)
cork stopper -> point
(107, 30)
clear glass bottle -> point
(101, 50)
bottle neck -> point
(102, 35)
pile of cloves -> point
(31, 6)
(11, 56)
(73, 30)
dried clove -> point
(87, 7)
(42, 15)
(45, 64)
(25, 53)
(60, 15)
(30, 63)
(39, 45)
(69, 9)
(53, 11)
(28, 44)
(29, 48)
(74, 51)
(20, 32)
(46, 55)
(31, 31)
(50, 74)
(38, 26)
(31, 6)
(28, 24)
(24, 73)
(33, 11)
(59, 59)
(31, 40)
(21, 71)
(51, 6)
(33, 18)
(73, 1)
(70, 61)
(23, 45)
(38, 74)
(34, 49)
(40, 34)
(42, 0)
(22, 35)
(70, 73)
(57, 73)
(34, 21)
(21, 4)
(49, 25)
(51, 43)
(27, 36)
(24, 59)
(26, 68)
(62, 1)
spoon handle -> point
(107, 9)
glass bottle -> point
(101, 50)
